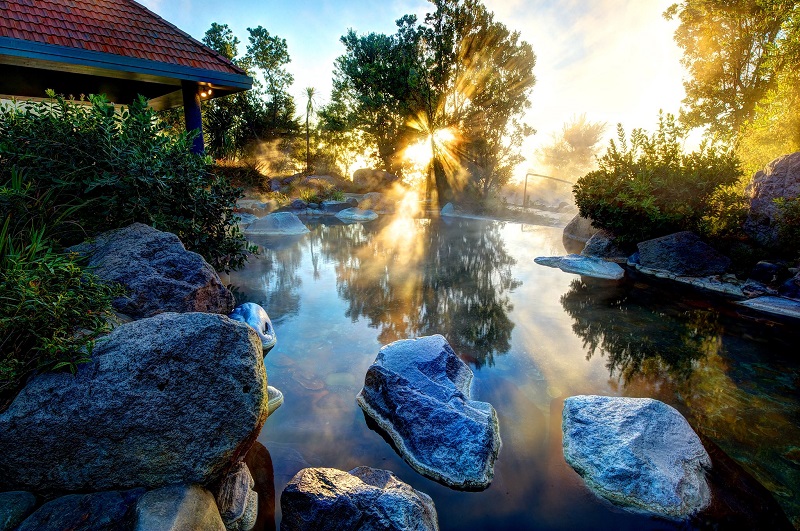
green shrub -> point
(789, 225)
(652, 188)
(125, 166)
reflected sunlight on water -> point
(533, 336)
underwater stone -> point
(326, 499)
(278, 224)
(638, 453)
(356, 214)
(255, 316)
(587, 266)
(418, 391)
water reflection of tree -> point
(417, 277)
(639, 338)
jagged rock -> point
(683, 254)
(774, 305)
(326, 499)
(15, 506)
(178, 508)
(356, 214)
(254, 315)
(577, 233)
(160, 274)
(602, 244)
(99, 511)
(278, 223)
(336, 206)
(171, 398)
(373, 179)
(779, 179)
(417, 390)
(236, 500)
(638, 453)
(587, 266)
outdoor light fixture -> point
(205, 92)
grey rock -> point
(178, 508)
(774, 305)
(375, 201)
(780, 178)
(245, 219)
(233, 497)
(682, 253)
(374, 179)
(160, 274)
(418, 391)
(352, 201)
(356, 214)
(753, 288)
(587, 266)
(769, 273)
(172, 398)
(602, 244)
(298, 204)
(99, 511)
(313, 206)
(15, 506)
(256, 317)
(638, 453)
(577, 233)
(791, 288)
(326, 499)
(275, 399)
(722, 284)
(336, 206)
(277, 223)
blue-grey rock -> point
(774, 305)
(791, 288)
(769, 273)
(602, 244)
(15, 506)
(352, 201)
(277, 223)
(275, 399)
(236, 500)
(638, 453)
(356, 214)
(160, 274)
(683, 254)
(99, 511)
(298, 204)
(449, 210)
(171, 398)
(336, 206)
(245, 219)
(255, 316)
(418, 391)
(368, 499)
(313, 206)
(178, 508)
(587, 266)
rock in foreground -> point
(160, 274)
(638, 453)
(177, 508)
(418, 391)
(170, 399)
(587, 266)
(326, 499)
(277, 224)
(684, 254)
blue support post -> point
(191, 112)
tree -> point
(221, 39)
(310, 91)
(269, 54)
(735, 51)
(573, 151)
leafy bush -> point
(125, 167)
(652, 188)
(789, 225)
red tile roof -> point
(119, 27)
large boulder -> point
(683, 254)
(638, 453)
(178, 508)
(15, 506)
(603, 244)
(780, 178)
(326, 499)
(577, 233)
(587, 266)
(159, 273)
(278, 224)
(169, 399)
(418, 391)
(374, 179)
(98, 511)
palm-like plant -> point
(310, 92)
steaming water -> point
(533, 336)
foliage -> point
(789, 225)
(572, 152)
(458, 70)
(126, 167)
(652, 188)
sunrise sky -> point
(614, 60)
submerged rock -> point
(160, 274)
(779, 179)
(638, 453)
(15, 506)
(254, 315)
(587, 266)
(172, 398)
(178, 507)
(277, 223)
(99, 511)
(774, 305)
(418, 391)
(326, 499)
(682, 254)
(356, 214)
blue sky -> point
(614, 60)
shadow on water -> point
(411, 277)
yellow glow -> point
(444, 136)
(419, 154)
